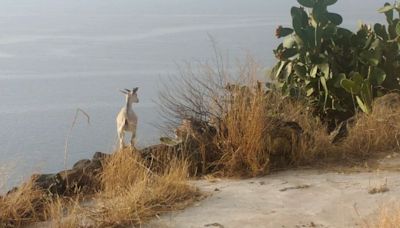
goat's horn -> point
(135, 90)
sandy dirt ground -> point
(299, 198)
(295, 198)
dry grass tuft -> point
(22, 206)
(374, 133)
(259, 132)
(243, 133)
(65, 212)
(380, 189)
(133, 194)
(388, 217)
(121, 170)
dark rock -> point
(200, 143)
(283, 140)
(389, 101)
(51, 183)
(341, 131)
(150, 150)
(157, 157)
(78, 180)
(84, 175)
(94, 167)
(81, 164)
(100, 156)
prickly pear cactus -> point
(334, 68)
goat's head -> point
(131, 95)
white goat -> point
(127, 119)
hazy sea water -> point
(57, 56)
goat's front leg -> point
(133, 139)
(121, 135)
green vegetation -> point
(336, 70)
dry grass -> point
(242, 133)
(388, 217)
(122, 170)
(314, 143)
(252, 139)
(231, 116)
(380, 189)
(23, 206)
(28, 205)
(65, 212)
(133, 194)
(246, 120)
(374, 133)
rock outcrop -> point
(83, 177)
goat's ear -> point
(123, 91)
(127, 90)
(135, 90)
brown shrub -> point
(251, 129)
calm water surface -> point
(57, 56)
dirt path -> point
(301, 198)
